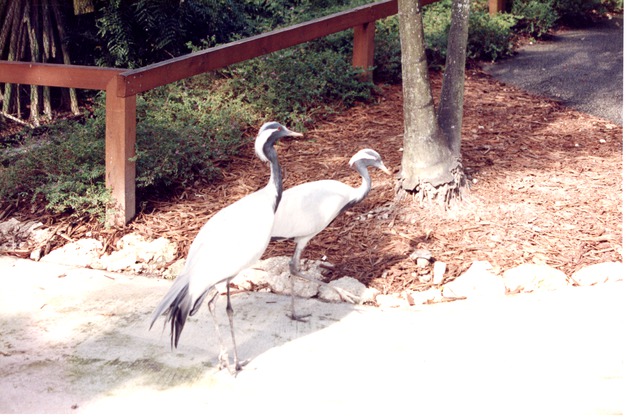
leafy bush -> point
(535, 18)
(140, 32)
(578, 12)
(182, 134)
(436, 22)
(186, 128)
(296, 84)
(490, 36)
(61, 168)
(387, 66)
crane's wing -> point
(307, 209)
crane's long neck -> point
(275, 178)
(366, 184)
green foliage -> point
(490, 36)
(535, 18)
(62, 166)
(436, 21)
(578, 12)
(387, 67)
(184, 130)
(140, 32)
(296, 84)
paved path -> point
(582, 68)
(76, 340)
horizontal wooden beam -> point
(58, 75)
(169, 71)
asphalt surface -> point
(581, 68)
(76, 340)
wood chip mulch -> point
(545, 187)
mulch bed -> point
(545, 187)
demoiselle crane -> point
(307, 209)
(232, 240)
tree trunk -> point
(451, 109)
(431, 163)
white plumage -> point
(307, 209)
(232, 240)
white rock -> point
(118, 261)
(174, 269)
(350, 285)
(301, 288)
(531, 277)
(427, 296)
(81, 253)
(159, 250)
(598, 273)
(477, 282)
(250, 278)
(439, 268)
(391, 301)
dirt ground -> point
(545, 187)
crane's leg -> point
(230, 313)
(294, 268)
(224, 360)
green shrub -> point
(387, 67)
(139, 32)
(184, 130)
(578, 12)
(297, 84)
(436, 22)
(490, 36)
(535, 18)
(60, 167)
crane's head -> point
(267, 136)
(369, 157)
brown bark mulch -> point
(545, 187)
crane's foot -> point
(224, 360)
(298, 318)
(345, 295)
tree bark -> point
(428, 162)
(451, 108)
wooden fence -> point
(122, 86)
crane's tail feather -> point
(176, 306)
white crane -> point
(307, 209)
(232, 240)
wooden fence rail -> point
(122, 85)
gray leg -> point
(295, 270)
(224, 360)
(230, 313)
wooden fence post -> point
(496, 6)
(363, 48)
(120, 149)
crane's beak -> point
(289, 133)
(384, 169)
